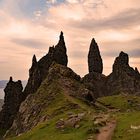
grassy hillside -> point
(127, 113)
(62, 109)
(54, 111)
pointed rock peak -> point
(34, 60)
(11, 79)
(94, 58)
(61, 40)
(61, 35)
(93, 40)
(123, 59)
(121, 63)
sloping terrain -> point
(58, 104)
(58, 110)
(69, 118)
(61, 109)
(125, 109)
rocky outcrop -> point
(123, 77)
(12, 100)
(96, 83)
(94, 58)
(39, 70)
(55, 95)
(95, 80)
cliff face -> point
(12, 100)
(123, 77)
(56, 95)
(39, 70)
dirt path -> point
(107, 131)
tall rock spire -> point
(39, 70)
(12, 101)
(34, 61)
(94, 58)
(60, 51)
(61, 41)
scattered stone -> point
(135, 127)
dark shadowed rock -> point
(60, 85)
(95, 80)
(96, 83)
(12, 100)
(39, 70)
(123, 77)
(121, 63)
(94, 58)
(136, 70)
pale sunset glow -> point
(29, 27)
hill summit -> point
(57, 100)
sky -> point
(30, 27)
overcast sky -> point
(29, 27)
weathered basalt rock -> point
(39, 70)
(61, 82)
(96, 83)
(12, 100)
(123, 77)
(95, 80)
(94, 58)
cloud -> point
(51, 1)
(29, 43)
(30, 27)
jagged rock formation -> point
(123, 77)
(58, 89)
(12, 100)
(39, 70)
(94, 58)
(61, 86)
(95, 80)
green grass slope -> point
(59, 109)
(127, 113)
(54, 113)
